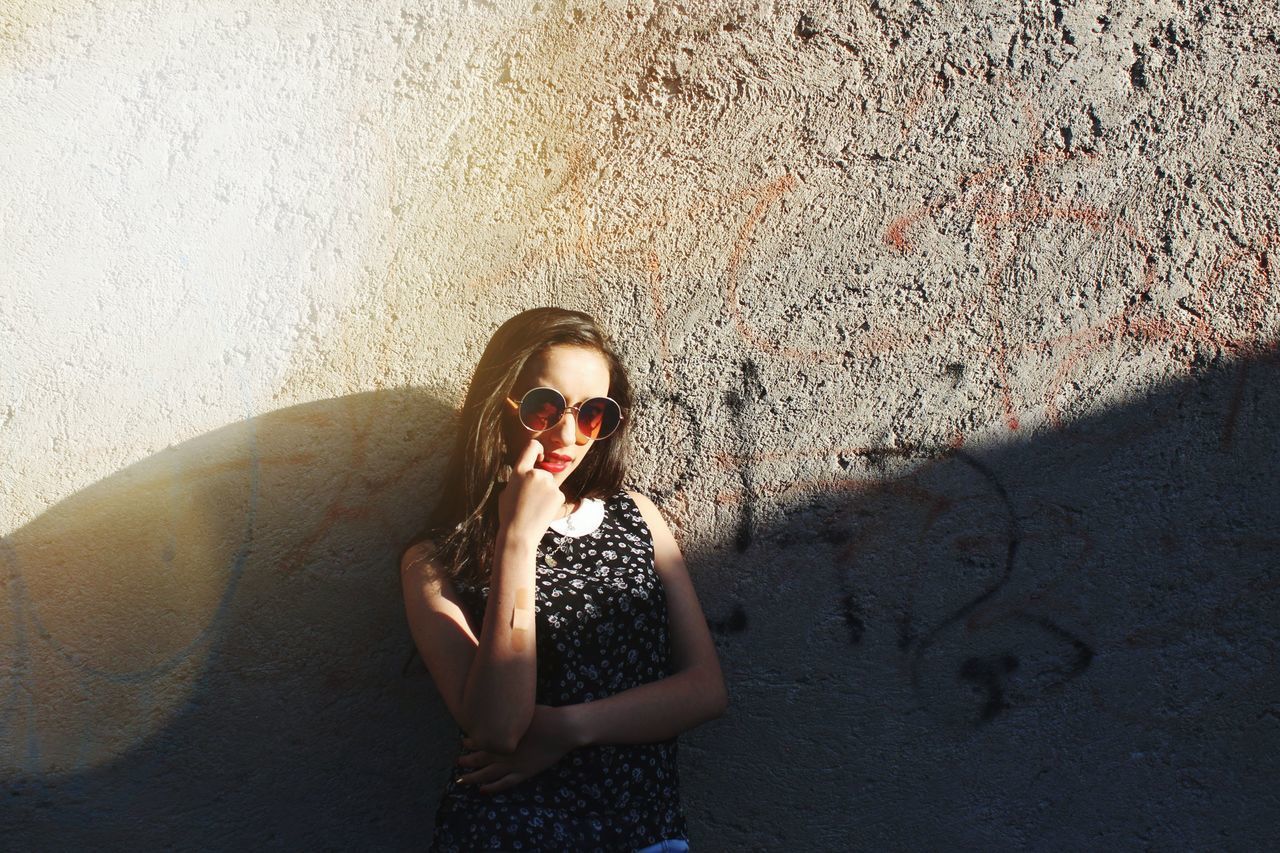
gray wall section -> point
(1061, 643)
(955, 335)
(1065, 643)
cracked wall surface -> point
(954, 330)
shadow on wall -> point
(1067, 641)
(207, 648)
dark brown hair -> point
(464, 523)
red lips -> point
(554, 462)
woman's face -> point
(577, 373)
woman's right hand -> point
(531, 499)
(549, 738)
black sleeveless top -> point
(601, 622)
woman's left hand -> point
(548, 739)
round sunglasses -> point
(542, 408)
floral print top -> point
(601, 622)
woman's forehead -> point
(571, 370)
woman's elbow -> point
(498, 744)
(720, 702)
(501, 739)
(715, 696)
(498, 735)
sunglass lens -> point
(541, 409)
(598, 418)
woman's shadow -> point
(213, 639)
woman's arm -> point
(651, 712)
(487, 680)
(483, 679)
(694, 694)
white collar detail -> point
(583, 520)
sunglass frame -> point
(565, 407)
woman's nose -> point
(566, 432)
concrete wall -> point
(955, 328)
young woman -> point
(554, 611)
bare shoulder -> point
(419, 561)
(648, 510)
(665, 550)
(642, 501)
(428, 586)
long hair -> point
(464, 523)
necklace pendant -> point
(549, 560)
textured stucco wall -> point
(955, 327)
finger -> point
(530, 456)
(502, 784)
(484, 775)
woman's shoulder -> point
(421, 562)
(635, 506)
(418, 550)
(623, 499)
(637, 499)
(419, 558)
